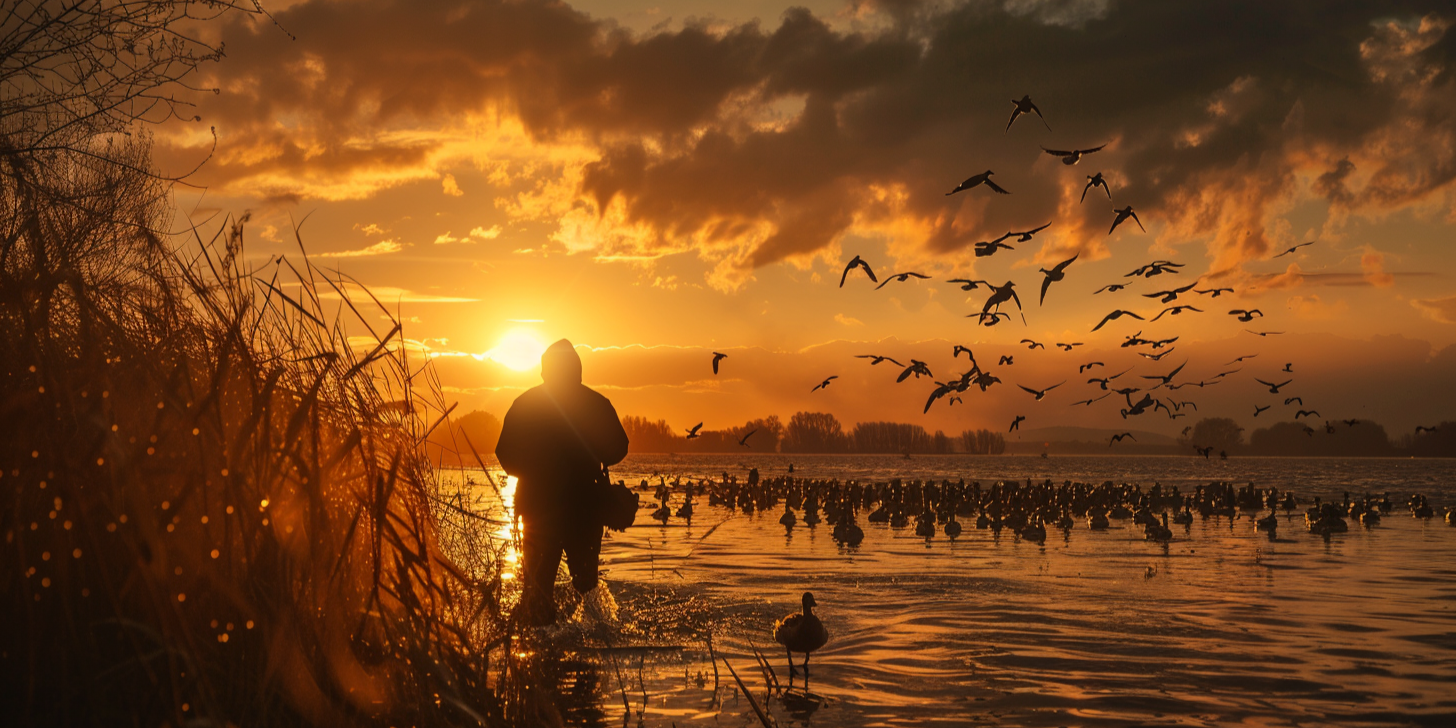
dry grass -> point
(218, 509)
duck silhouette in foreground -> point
(801, 632)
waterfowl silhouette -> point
(1057, 273)
(989, 318)
(877, 359)
(717, 357)
(1294, 400)
(1157, 267)
(983, 178)
(1175, 310)
(1246, 356)
(1273, 388)
(1258, 409)
(1246, 315)
(1006, 360)
(1111, 287)
(1155, 357)
(1116, 315)
(1171, 294)
(1089, 402)
(824, 383)
(1423, 428)
(1288, 368)
(1084, 367)
(1124, 214)
(801, 631)
(1291, 250)
(1096, 180)
(916, 367)
(1067, 346)
(956, 352)
(1032, 345)
(1306, 413)
(1264, 333)
(970, 285)
(1024, 106)
(1073, 156)
(693, 431)
(1025, 235)
(989, 248)
(857, 262)
(1119, 437)
(1002, 294)
(1016, 423)
(900, 277)
(1216, 292)
(1040, 393)
(744, 441)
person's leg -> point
(583, 557)
(540, 556)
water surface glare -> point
(1221, 627)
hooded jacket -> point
(556, 438)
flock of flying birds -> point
(991, 314)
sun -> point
(519, 349)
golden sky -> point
(658, 180)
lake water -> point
(1220, 627)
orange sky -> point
(659, 180)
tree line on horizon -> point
(821, 432)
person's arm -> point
(611, 445)
(508, 448)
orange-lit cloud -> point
(748, 145)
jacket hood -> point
(560, 364)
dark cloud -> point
(1212, 112)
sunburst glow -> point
(519, 349)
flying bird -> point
(1089, 365)
(1160, 343)
(1089, 402)
(1016, 423)
(1124, 214)
(983, 178)
(1057, 273)
(1166, 378)
(1025, 235)
(1117, 315)
(1040, 393)
(1175, 310)
(1032, 345)
(1246, 356)
(1111, 287)
(1171, 294)
(1119, 437)
(970, 285)
(744, 441)
(1351, 423)
(1096, 180)
(1290, 400)
(1071, 156)
(1291, 250)
(988, 248)
(941, 389)
(989, 318)
(917, 368)
(1025, 106)
(1258, 409)
(901, 277)
(1006, 360)
(1215, 291)
(857, 262)
(1157, 267)
(823, 384)
(1423, 428)
(876, 359)
(1068, 347)
(1306, 413)
(1104, 380)
(969, 354)
(1221, 375)
(1156, 357)
(717, 357)
(1288, 368)
(693, 431)
(1273, 388)
(1247, 315)
(1003, 294)
(1264, 333)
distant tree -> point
(890, 437)
(451, 441)
(814, 432)
(982, 442)
(1220, 433)
(644, 435)
(940, 443)
(1333, 439)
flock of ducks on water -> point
(1026, 509)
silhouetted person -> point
(555, 439)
